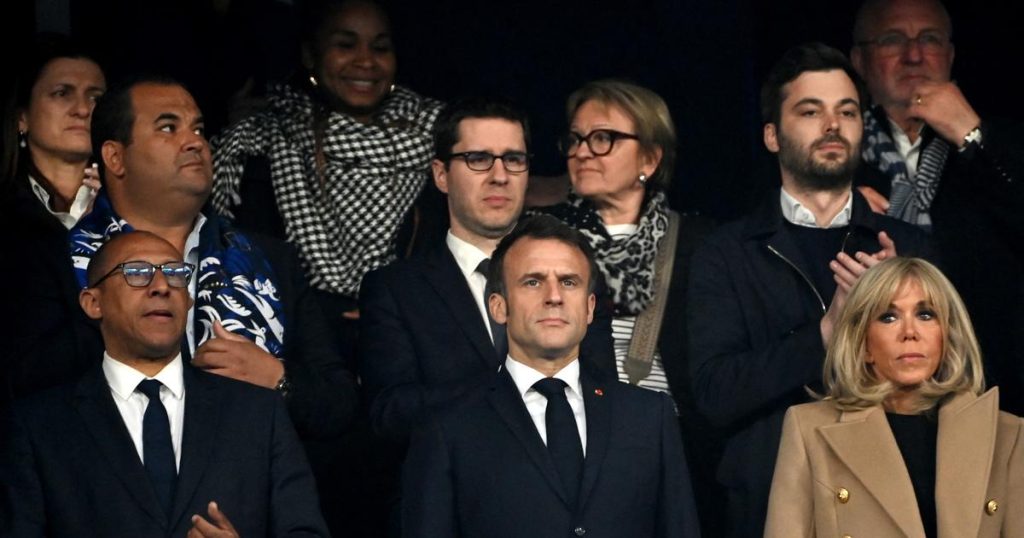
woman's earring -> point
(391, 89)
(643, 179)
(312, 81)
(22, 139)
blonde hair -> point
(651, 119)
(848, 379)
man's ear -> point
(771, 137)
(498, 308)
(857, 59)
(112, 153)
(591, 305)
(440, 175)
(89, 300)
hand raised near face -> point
(945, 109)
(218, 527)
(847, 270)
(878, 203)
(237, 357)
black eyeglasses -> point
(892, 44)
(482, 161)
(600, 141)
(139, 274)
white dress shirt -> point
(796, 213)
(911, 152)
(123, 381)
(468, 257)
(536, 404)
(83, 199)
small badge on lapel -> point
(599, 392)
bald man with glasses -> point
(145, 444)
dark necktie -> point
(497, 329)
(563, 436)
(157, 450)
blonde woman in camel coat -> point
(902, 348)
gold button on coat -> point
(991, 506)
(843, 495)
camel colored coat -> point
(841, 474)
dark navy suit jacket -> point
(69, 467)
(423, 342)
(481, 469)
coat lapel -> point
(95, 405)
(966, 443)
(504, 397)
(199, 436)
(597, 406)
(445, 276)
(863, 441)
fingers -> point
(92, 177)
(877, 202)
(218, 517)
(351, 314)
(218, 526)
(220, 332)
(888, 247)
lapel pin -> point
(599, 392)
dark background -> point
(706, 58)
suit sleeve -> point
(295, 509)
(323, 396)
(791, 504)
(22, 509)
(677, 511)
(389, 367)
(428, 490)
(995, 174)
(731, 378)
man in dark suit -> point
(425, 336)
(931, 160)
(542, 448)
(145, 444)
(254, 318)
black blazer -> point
(481, 469)
(422, 341)
(69, 467)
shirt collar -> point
(124, 379)
(524, 377)
(192, 241)
(795, 212)
(84, 197)
(902, 140)
(467, 256)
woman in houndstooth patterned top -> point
(337, 159)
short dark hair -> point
(540, 227)
(446, 128)
(797, 61)
(114, 115)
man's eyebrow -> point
(167, 116)
(850, 101)
(809, 101)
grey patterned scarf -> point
(627, 263)
(343, 208)
(910, 199)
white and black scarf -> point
(627, 263)
(910, 199)
(342, 209)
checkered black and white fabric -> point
(347, 225)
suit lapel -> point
(966, 443)
(95, 405)
(199, 436)
(863, 441)
(445, 276)
(597, 406)
(504, 397)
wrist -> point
(972, 138)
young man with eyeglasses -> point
(426, 336)
(144, 444)
(930, 160)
